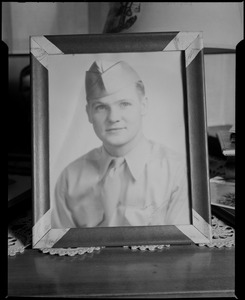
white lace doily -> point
(222, 235)
(18, 240)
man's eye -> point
(125, 104)
(100, 107)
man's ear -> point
(144, 105)
(88, 113)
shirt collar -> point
(136, 159)
(104, 161)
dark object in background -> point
(121, 16)
(19, 124)
(19, 115)
(225, 214)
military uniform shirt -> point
(154, 189)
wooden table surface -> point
(179, 271)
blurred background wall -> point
(220, 22)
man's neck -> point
(122, 150)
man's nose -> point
(114, 115)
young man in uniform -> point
(129, 180)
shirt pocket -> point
(138, 216)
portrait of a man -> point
(129, 179)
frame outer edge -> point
(197, 124)
(191, 42)
(113, 42)
(182, 41)
(201, 224)
(51, 238)
(40, 143)
(41, 48)
(193, 50)
(193, 233)
(41, 227)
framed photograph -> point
(100, 98)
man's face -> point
(117, 119)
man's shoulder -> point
(87, 160)
(167, 158)
(162, 151)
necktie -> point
(111, 191)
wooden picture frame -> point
(189, 46)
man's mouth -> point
(115, 129)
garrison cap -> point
(106, 78)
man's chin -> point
(116, 144)
(116, 141)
